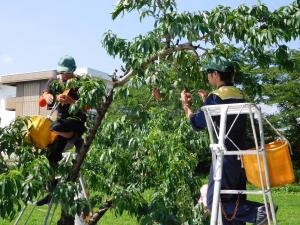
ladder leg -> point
(272, 208)
(53, 214)
(48, 211)
(217, 189)
(262, 184)
(20, 215)
(267, 178)
(265, 166)
(220, 219)
(29, 214)
(219, 151)
(81, 181)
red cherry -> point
(42, 102)
(86, 107)
(156, 93)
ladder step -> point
(242, 152)
(247, 192)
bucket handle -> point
(49, 116)
(279, 134)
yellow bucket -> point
(279, 165)
(39, 133)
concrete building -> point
(25, 89)
(6, 116)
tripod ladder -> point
(78, 221)
(219, 150)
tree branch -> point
(169, 51)
(124, 78)
(97, 216)
(164, 53)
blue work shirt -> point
(233, 175)
(225, 94)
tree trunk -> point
(66, 219)
(101, 111)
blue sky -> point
(35, 33)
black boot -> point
(78, 143)
(44, 201)
(55, 150)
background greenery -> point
(287, 198)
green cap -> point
(66, 64)
(218, 63)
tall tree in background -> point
(282, 88)
(139, 143)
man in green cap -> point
(68, 126)
(236, 210)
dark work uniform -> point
(233, 175)
(65, 122)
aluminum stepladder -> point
(66, 157)
(78, 221)
(218, 149)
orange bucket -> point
(279, 164)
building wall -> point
(27, 98)
(6, 116)
(29, 86)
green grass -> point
(287, 199)
(288, 207)
(39, 214)
(110, 218)
(36, 218)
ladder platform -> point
(232, 109)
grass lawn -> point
(39, 213)
(288, 207)
(287, 199)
